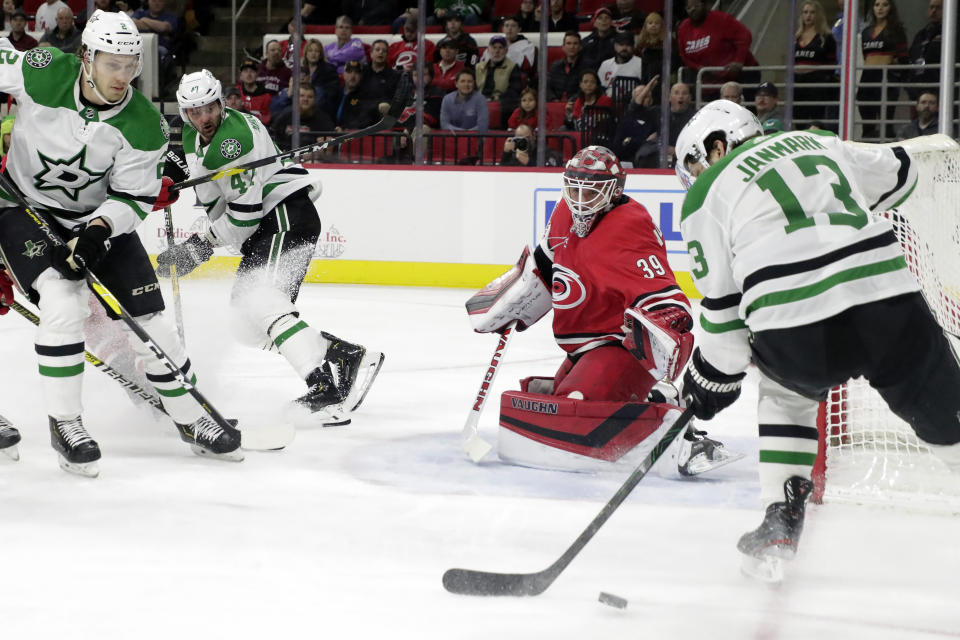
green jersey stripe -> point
(815, 289)
(61, 372)
(721, 327)
(130, 203)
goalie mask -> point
(198, 89)
(735, 122)
(113, 33)
(592, 182)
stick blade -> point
(484, 583)
(476, 447)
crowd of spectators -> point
(604, 81)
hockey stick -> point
(385, 123)
(106, 297)
(174, 279)
(129, 385)
(486, 583)
(471, 442)
(254, 440)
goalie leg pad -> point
(604, 373)
(519, 294)
(561, 433)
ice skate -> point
(699, 454)
(9, 437)
(207, 438)
(777, 537)
(78, 452)
(340, 384)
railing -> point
(442, 148)
(885, 94)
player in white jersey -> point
(87, 153)
(799, 277)
(267, 215)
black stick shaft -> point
(488, 583)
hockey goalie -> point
(622, 320)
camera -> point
(520, 143)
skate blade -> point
(367, 372)
(12, 452)
(230, 456)
(767, 568)
(700, 463)
(330, 416)
(85, 469)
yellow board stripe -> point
(399, 274)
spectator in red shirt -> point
(445, 71)
(715, 39)
(272, 73)
(18, 36)
(590, 95)
(256, 99)
(404, 53)
(528, 111)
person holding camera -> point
(521, 151)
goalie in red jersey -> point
(619, 315)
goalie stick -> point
(252, 439)
(385, 123)
(488, 583)
(107, 298)
(471, 442)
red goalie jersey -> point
(621, 263)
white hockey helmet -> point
(113, 33)
(197, 89)
(592, 182)
(735, 122)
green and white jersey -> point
(780, 235)
(236, 204)
(73, 160)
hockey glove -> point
(660, 339)
(710, 390)
(520, 294)
(166, 197)
(6, 292)
(185, 256)
(81, 253)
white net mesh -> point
(872, 456)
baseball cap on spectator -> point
(602, 10)
(232, 91)
(623, 37)
(353, 65)
(768, 88)
(772, 125)
(448, 42)
(498, 39)
(248, 63)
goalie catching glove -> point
(660, 339)
(710, 390)
(520, 294)
(186, 256)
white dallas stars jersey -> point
(237, 203)
(75, 161)
(780, 235)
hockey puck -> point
(612, 600)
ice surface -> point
(346, 534)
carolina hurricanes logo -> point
(405, 58)
(568, 290)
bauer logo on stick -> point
(230, 148)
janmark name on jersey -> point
(763, 154)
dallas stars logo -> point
(230, 148)
(70, 176)
(34, 249)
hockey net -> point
(867, 454)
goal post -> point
(867, 454)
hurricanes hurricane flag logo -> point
(568, 289)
